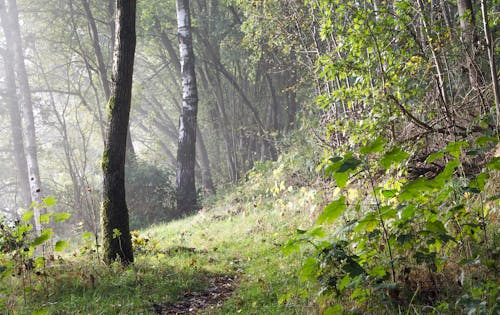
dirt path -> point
(194, 302)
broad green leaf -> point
(40, 312)
(415, 189)
(395, 156)
(435, 227)
(45, 236)
(346, 280)
(353, 268)
(87, 235)
(434, 156)
(481, 141)
(348, 164)
(408, 213)
(368, 224)
(332, 211)
(334, 310)
(49, 201)
(454, 148)
(481, 180)
(446, 174)
(494, 164)
(45, 218)
(373, 147)
(60, 245)
(389, 193)
(27, 216)
(309, 269)
(341, 179)
(62, 216)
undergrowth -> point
(355, 235)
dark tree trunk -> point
(186, 150)
(102, 71)
(15, 114)
(115, 223)
(27, 110)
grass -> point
(240, 234)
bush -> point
(150, 194)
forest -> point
(249, 157)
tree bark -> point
(14, 113)
(27, 111)
(115, 220)
(186, 150)
(491, 58)
(102, 71)
(469, 38)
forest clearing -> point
(249, 157)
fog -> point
(56, 66)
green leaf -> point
(446, 174)
(332, 211)
(494, 164)
(436, 227)
(341, 179)
(60, 245)
(368, 224)
(408, 213)
(45, 218)
(349, 164)
(415, 189)
(40, 312)
(395, 156)
(434, 156)
(116, 233)
(454, 148)
(27, 216)
(481, 141)
(374, 147)
(62, 216)
(334, 310)
(353, 268)
(309, 269)
(49, 201)
(45, 236)
(87, 235)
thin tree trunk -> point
(491, 58)
(186, 150)
(206, 175)
(15, 114)
(469, 37)
(27, 112)
(115, 222)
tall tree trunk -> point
(491, 58)
(115, 222)
(103, 73)
(15, 114)
(469, 38)
(27, 111)
(186, 150)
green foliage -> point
(405, 225)
(150, 194)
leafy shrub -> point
(150, 194)
(423, 241)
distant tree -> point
(186, 150)
(16, 47)
(12, 102)
(115, 218)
